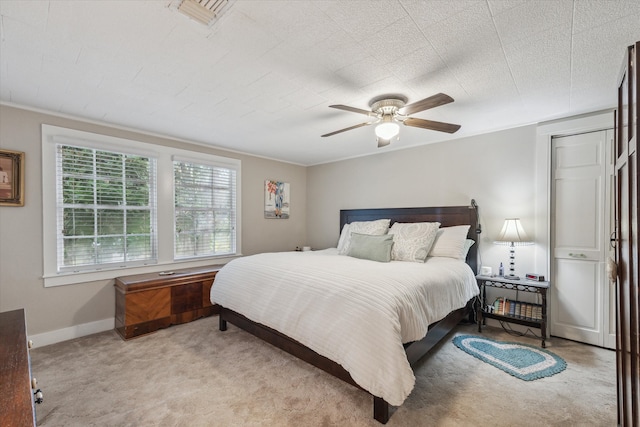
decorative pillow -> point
(374, 228)
(412, 241)
(450, 242)
(371, 247)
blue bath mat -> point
(523, 361)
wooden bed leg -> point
(380, 410)
(222, 324)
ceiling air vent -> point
(204, 11)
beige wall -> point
(54, 308)
(496, 169)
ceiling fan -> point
(389, 110)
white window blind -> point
(105, 208)
(205, 209)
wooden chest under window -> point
(148, 302)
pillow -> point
(374, 248)
(467, 245)
(375, 228)
(450, 242)
(412, 241)
(342, 241)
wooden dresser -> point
(16, 396)
(148, 302)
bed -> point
(309, 304)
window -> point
(106, 208)
(204, 209)
(113, 207)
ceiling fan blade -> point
(430, 124)
(346, 129)
(427, 103)
(383, 142)
(353, 109)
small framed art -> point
(276, 199)
(11, 178)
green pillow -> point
(374, 248)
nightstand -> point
(511, 310)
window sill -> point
(93, 276)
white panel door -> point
(580, 298)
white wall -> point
(495, 169)
(70, 308)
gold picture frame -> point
(11, 178)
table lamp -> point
(512, 234)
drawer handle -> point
(34, 383)
(571, 254)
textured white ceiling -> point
(261, 79)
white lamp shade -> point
(387, 130)
(512, 232)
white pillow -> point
(374, 228)
(450, 242)
(342, 241)
(412, 241)
(467, 245)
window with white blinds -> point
(105, 208)
(204, 209)
(114, 206)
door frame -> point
(545, 131)
(626, 158)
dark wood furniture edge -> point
(416, 350)
(16, 396)
(141, 282)
(285, 343)
(437, 331)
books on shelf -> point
(517, 309)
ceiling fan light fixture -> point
(389, 110)
(387, 130)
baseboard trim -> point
(76, 331)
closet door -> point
(579, 309)
(627, 234)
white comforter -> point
(356, 312)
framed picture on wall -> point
(11, 178)
(276, 199)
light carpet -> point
(195, 375)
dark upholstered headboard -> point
(447, 216)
